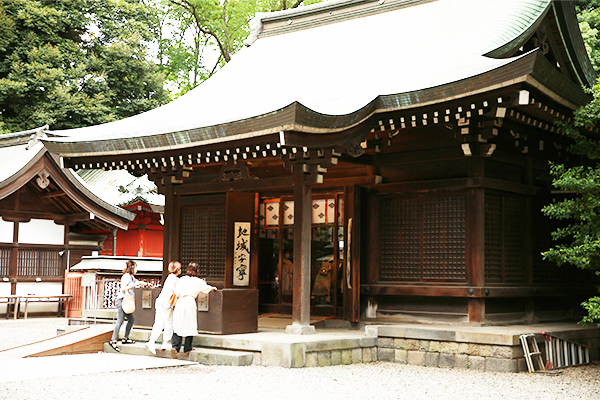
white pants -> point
(163, 320)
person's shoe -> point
(150, 348)
(166, 346)
(113, 344)
(127, 341)
(173, 353)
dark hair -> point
(129, 267)
(192, 269)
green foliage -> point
(72, 63)
(588, 14)
(579, 239)
(592, 306)
(199, 36)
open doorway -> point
(276, 254)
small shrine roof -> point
(120, 188)
(115, 264)
(23, 156)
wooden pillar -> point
(12, 269)
(476, 243)
(302, 254)
(351, 280)
(171, 233)
(308, 168)
(476, 267)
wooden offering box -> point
(144, 306)
(228, 311)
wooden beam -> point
(25, 216)
(264, 184)
(440, 290)
(247, 185)
(51, 195)
(458, 183)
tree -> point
(207, 33)
(579, 240)
(72, 63)
(588, 14)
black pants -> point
(176, 342)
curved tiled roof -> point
(319, 60)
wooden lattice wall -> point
(423, 239)
(38, 262)
(4, 261)
(203, 233)
(505, 239)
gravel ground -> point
(360, 381)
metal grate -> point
(203, 240)
(505, 239)
(423, 239)
(34, 262)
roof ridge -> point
(319, 14)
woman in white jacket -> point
(163, 319)
(185, 319)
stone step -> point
(209, 356)
(201, 355)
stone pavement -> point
(25, 369)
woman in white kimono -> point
(185, 318)
(163, 319)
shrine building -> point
(370, 160)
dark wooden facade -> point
(435, 194)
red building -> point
(142, 241)
(144, 235)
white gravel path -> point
(360, 381)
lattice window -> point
(39, 262)
(423, 239)
(505, 239)
(203, 239)
(4, 261)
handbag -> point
(172, 300)
(128, 304)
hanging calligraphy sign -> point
(241, 254)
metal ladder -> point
(562, 353)
(536, 354)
